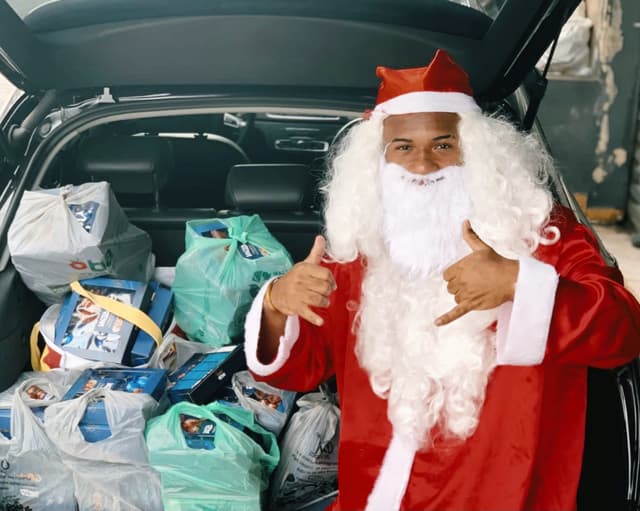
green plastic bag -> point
(225, 264)
(207, 462)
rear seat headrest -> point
(133, 165)
(268, 187)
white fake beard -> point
(423, 216)
(431, 376)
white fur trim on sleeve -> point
(252, 332)
(392, 481)
(523, 325)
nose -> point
(423, 163)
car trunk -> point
(79, 53)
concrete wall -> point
(591, 121)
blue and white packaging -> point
(135, 381)
(271, 406)
(205, 376)
(160, 311)
(88, 331)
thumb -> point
(472, 239)
(317, 251)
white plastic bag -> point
(308, 467)
(72, 233)
(572, 54)
(33, 474)
(175, 351)
(48, 331)
(53, 383)
(113, 473)
(270, 405)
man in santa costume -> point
(456, 304)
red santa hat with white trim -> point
(441, 86)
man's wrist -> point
(268, 301)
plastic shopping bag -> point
(175, 351)
(113, 473)
(225, 263)
(212, 457)
(75, 232)
(308, 466)
(53, 356)
(44, 389)
(271, 406)
(33, 476)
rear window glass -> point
(7, 95)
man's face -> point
(423, 142)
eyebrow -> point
(434, 139)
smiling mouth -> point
(423, 181)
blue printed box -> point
(204, 377)
(85, 329)
(160, 311)
(145, 381)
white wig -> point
(433, 376)
(508, 173)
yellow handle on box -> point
(126, 312)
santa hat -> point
(441, 86)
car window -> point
(9, 93)
(24, 7)
(490, 7)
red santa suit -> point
(570, 311)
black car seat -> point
(202, 165)
(202, 157)
(280, 194)
(138, 168)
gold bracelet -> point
(267, 297)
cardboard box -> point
(204, 377)
(160, 311)
(85, 329)
(94, 432)
(146, 381)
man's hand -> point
(480, 281)
(306, 285)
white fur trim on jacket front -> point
(252, 333)
(426, 101)
(523, 325)
(392, 481)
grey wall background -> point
(591, 122)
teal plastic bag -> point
(213, 457)
(225, 264)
